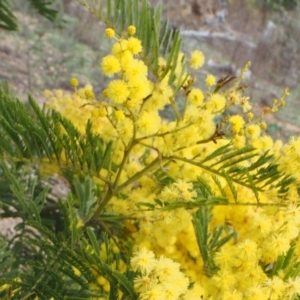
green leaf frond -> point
(209, 241)
(219, 185)
(46, 139)
(125, 285)
(203, 188)
(43, 7)
(44, 231)
(8, 20)
(65, 271)
(85, 192)
(201, 221)
(24, 197)
(119, 14)
(238, 169)
(6, 259)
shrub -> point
(203, 204)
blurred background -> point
(44, 55)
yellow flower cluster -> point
(262, 239)
(147, 147)
(72, 105)
(160, 278)
(289, 162)
(181, 190)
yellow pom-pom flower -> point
(109, 32)
(117, 91)
(250, 115)
(293, 287)
(131, 30)
(252, 131)
(119, 115)
(134, 45)
(74, 82)
(110, 65)
(89, 93)
(135, 70)
(148, 123)
(120, 48)
(99, 112)
(197, 59)
(139, 89)
(161, 95)
(195, 97)
(210, 80)
(237, 123)
(143, 260)
(263, 125)
(216, 104)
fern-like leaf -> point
(45, 138)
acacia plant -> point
(201, 205)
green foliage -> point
(46, 261)
(43, 8)
(43, 136)
(229, 167)
(22, 198)
(85, 193)
(7, 19)
(9, 22)
(6, 258)
(24, 190)
(209, 241)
